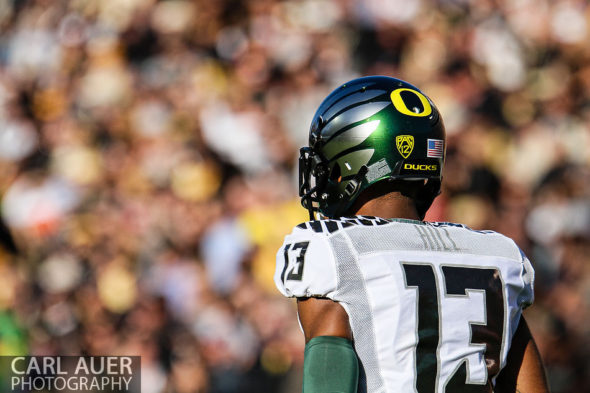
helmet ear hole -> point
(336, 173)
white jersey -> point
(433, 307)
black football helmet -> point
(366, 131)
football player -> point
(387, 301)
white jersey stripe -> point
(353, 296)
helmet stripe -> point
(358, 98)
(330, 101)
(356, 158)
(350, 138)
(345, 119)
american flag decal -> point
(435, 148)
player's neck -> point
(393, 205)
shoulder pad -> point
(305, 265)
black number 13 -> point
(296, 273)
(457, 281)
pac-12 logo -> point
(405, 145)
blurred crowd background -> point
(148, 159)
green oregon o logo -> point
(400, 105)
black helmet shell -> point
(369, 130)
